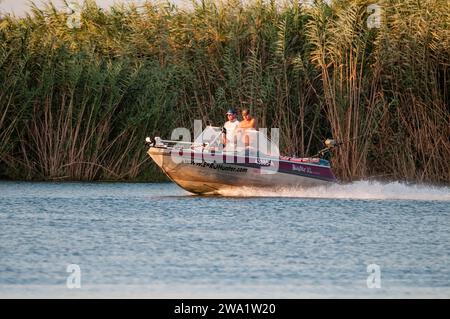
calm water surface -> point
(156, 240)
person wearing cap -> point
(229, 128)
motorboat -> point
(206, 166)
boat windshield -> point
(249, 142)
(211, 137)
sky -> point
(20, 7)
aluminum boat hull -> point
(207, 173)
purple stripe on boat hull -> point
(311, 170)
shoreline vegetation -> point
(78, 99)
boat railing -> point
(171, 143)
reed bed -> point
(76, 103)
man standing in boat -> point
(247, 128)
(230, 126)
(248, 122)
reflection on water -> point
(156, 240)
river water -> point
(145, 240)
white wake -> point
(355, 190)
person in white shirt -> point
(230, 127)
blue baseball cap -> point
(232, 111)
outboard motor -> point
(330, 143)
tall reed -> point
(77, 103)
